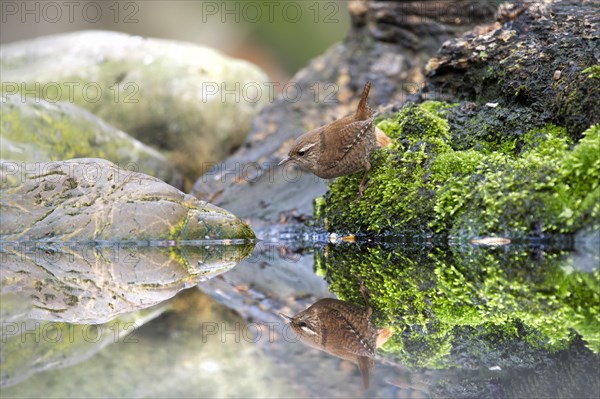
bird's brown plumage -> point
(341, 147)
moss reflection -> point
(469, 306)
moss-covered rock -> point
(537, 183)
(473, 307)
(40, 131)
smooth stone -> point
(93, 199)
(85, 241)
(156, 90)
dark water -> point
(153, 320)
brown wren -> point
(341, 147)
(341, 329)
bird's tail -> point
(363, 111)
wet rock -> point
(384, 45)
(156, 90)
(85, 241)
(94, 199)
(40, 131)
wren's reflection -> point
(342, 329)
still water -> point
(203, 319)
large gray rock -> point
(93, 199)
(156, 90)
(39, 131)
(87, 241)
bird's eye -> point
(301, 153)
(305, 327)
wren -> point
(341, 147)
(341, 329)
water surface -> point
(161, 320)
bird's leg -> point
(363, 183)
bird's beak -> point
(284, 160)
(287, 318)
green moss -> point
(592, 72)
(538, 182)
(417, 124)
(399, 175)
(39, 131)
(490, 302)
(52, 131)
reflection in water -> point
(341, 329)
(80, 283)
(30, 346)
(489, 313)
(468, 322)
(442, 300)
(458, 312)
(195, 349)
(60, 303)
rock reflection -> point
(92, 284)
(31, 346)
(342, 329)
(102, 292)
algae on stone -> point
(40, 131)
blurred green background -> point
(279, 36)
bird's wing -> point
(340, 139)
(354, 342)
